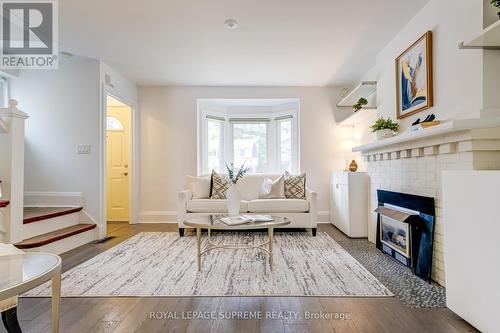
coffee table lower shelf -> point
(214, 222)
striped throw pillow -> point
(219, 186)
(295, 186)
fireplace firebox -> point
(405, 230)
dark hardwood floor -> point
(132, 314)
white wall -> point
(66, 109)
(169, 136)
(63, 106)
(458, 74)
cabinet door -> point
(340, 201)
(343, 207)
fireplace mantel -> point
(413, 163)
(445, 130)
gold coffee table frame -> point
(214, 222)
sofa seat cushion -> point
(212, 206)
(278, 206)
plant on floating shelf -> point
(382, 124)
(361, 102)
(233, 178)
(496, 3)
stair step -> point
(54, 236)
(35, 214)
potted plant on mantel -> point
(496, 3)
(384, 128)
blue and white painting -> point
(413, 79)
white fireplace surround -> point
(412, 163)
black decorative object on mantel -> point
(405, 230)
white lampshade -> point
(346, 146)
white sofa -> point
(302, 213)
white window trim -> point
(202, 135)
(228, 152)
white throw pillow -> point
(199, 186)
(272, 189)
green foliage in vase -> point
(382, 123)
(359, 105)
(234, 177)
(495, 3)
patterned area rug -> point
(163, 264)
(407, 287)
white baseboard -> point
(53, 199)
(158, 222)
(158, 217)
(324, 216)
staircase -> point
(41, 226)
(55, 229)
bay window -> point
(264, 141)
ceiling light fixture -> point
(231, 23)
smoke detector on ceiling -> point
(231, 24)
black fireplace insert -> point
(405, 230)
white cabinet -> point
(471, 246)
(349, 203)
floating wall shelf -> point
(364, 89)
(489, 39)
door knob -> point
(125, 173)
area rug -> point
(164, 264)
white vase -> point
(233, 198)
(384, 134)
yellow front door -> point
(118, 174)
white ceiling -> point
(277, 43)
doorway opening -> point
(118, 155)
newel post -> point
(12, 171)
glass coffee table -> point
(22, 272)
(214, 222)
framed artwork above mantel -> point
(414, 78)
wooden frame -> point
(429, 86)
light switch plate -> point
(83, 149)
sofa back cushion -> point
(250, 185)
(199, 186)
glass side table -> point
(22, 272)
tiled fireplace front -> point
(415, 167)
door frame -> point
(133, 160)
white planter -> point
(384, 134)
(233, 198)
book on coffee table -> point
(242, 219)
